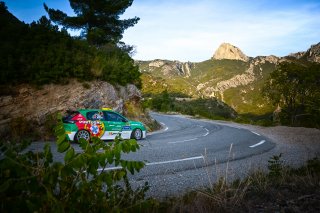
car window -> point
(95, 115)
(70, 115)
(110, 116)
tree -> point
(295, 87)
(99, 20)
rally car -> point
(103, 123)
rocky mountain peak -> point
(313, 53)
(228, 51)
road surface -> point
(191, 154)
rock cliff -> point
(171, 68)
(228, 51)
(312, 54)
(36, 104)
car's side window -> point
(110, 116)
(95, 116)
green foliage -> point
(39, 53)
(99, 20)
(275, 165)
(115, 66)
(296, 89)
(34, 182)
(208, 108)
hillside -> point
(39, 53)
(229, 75)
(44, 70)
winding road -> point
(190, 153)
(187, 143)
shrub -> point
(22, 128)
(83, 182)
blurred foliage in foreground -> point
(83, 182)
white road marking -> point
(165, 126)
(255, 133)
(174, 161)
(257, 144)
(192, 139)
(110, 168)
(155, 163)
(207, 133)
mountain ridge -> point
(236, 81)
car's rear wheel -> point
(137, 134)
(83, 134)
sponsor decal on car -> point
(126, 128)
(96, 128)
(113, 133)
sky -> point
(191, 30)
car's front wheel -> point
(83, 134)
(137, 134)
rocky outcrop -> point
(228, 51)
(248, 77)
(297, 55)
(312, 54)
(171, 68)
(35, 104)
(157, 63)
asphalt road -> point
(186, 144)
(190, 154)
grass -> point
(287, 190)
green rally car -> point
(103, 123)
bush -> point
(33, 182)
(22, 128)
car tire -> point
(137, 134)
(82, 134)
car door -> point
(113, 123)
(94, 123)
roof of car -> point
(103, 109)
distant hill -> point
(229, 75)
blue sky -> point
(191, 30)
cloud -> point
(192, 30)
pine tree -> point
(99, 20)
